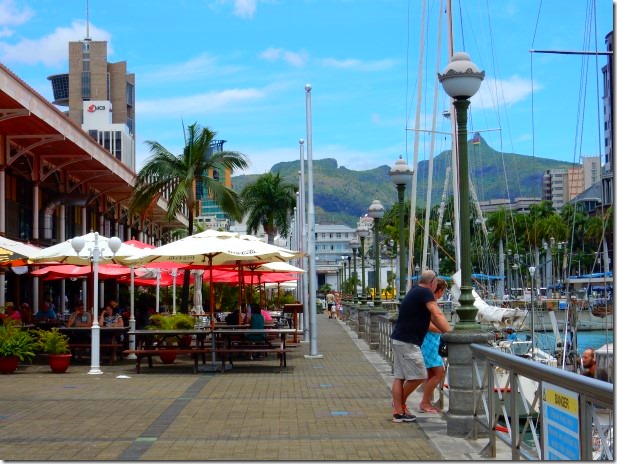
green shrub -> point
(52, 342)
(15, 341)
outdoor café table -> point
(48, 324)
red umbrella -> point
(64, 271)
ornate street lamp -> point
(401, 175)
(78, 244)
(461, 80)
(362, 232)
(354, 245)
(376, 211)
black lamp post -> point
(376, 211)
(461, 80)
(362, 232)
(354, 245)
(401, 175)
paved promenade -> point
(335, 408)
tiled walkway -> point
(334, 408)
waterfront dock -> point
(335, 408)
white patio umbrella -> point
(212, 248)
(64, 252)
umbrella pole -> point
(212, 334)
(132, 324)
(173, 274)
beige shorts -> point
(408, 361)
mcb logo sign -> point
(94, 108)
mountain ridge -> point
(342, 195)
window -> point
(85, 85)
(339, 235)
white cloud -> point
(295, 59)
(11, 15)
(358, 65)
(226, 100)
(496, 92)
(245, 8)
(51, 49)
(201, 66)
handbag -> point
(443, 348)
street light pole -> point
(401, 175)
(78, 244)
(354, 245)
(310, 242)
(362, 232)
(461, 80)
(376, 211)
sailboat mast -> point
(455, 180)
(414, 188)
(429, 188)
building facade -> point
(100, 96)
(210, 215)
(607, 174)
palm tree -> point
(177, 175)
(268, 202)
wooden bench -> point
(112, 347)
(149, 352)
(224, 352)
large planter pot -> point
(8, 364)
(167, 358)
(185, 341)
(59, 363)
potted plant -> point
(16, 344)
(56, 346)
(178, 321)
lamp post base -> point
(95, 371)
(313, 356)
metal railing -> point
(509, 404)
(385, 343)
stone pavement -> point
(334, 408)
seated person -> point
(46, 314)
(266, 315)
(109, 319)
(11, 313)
(234, 318)
(26, 313)
(80, 318)
(511, 334)
(257, 322)
(588, 360)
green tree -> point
(166, 172)
(269, 202)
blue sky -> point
(240, 67)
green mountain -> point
(341, 195)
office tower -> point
(100, 96)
